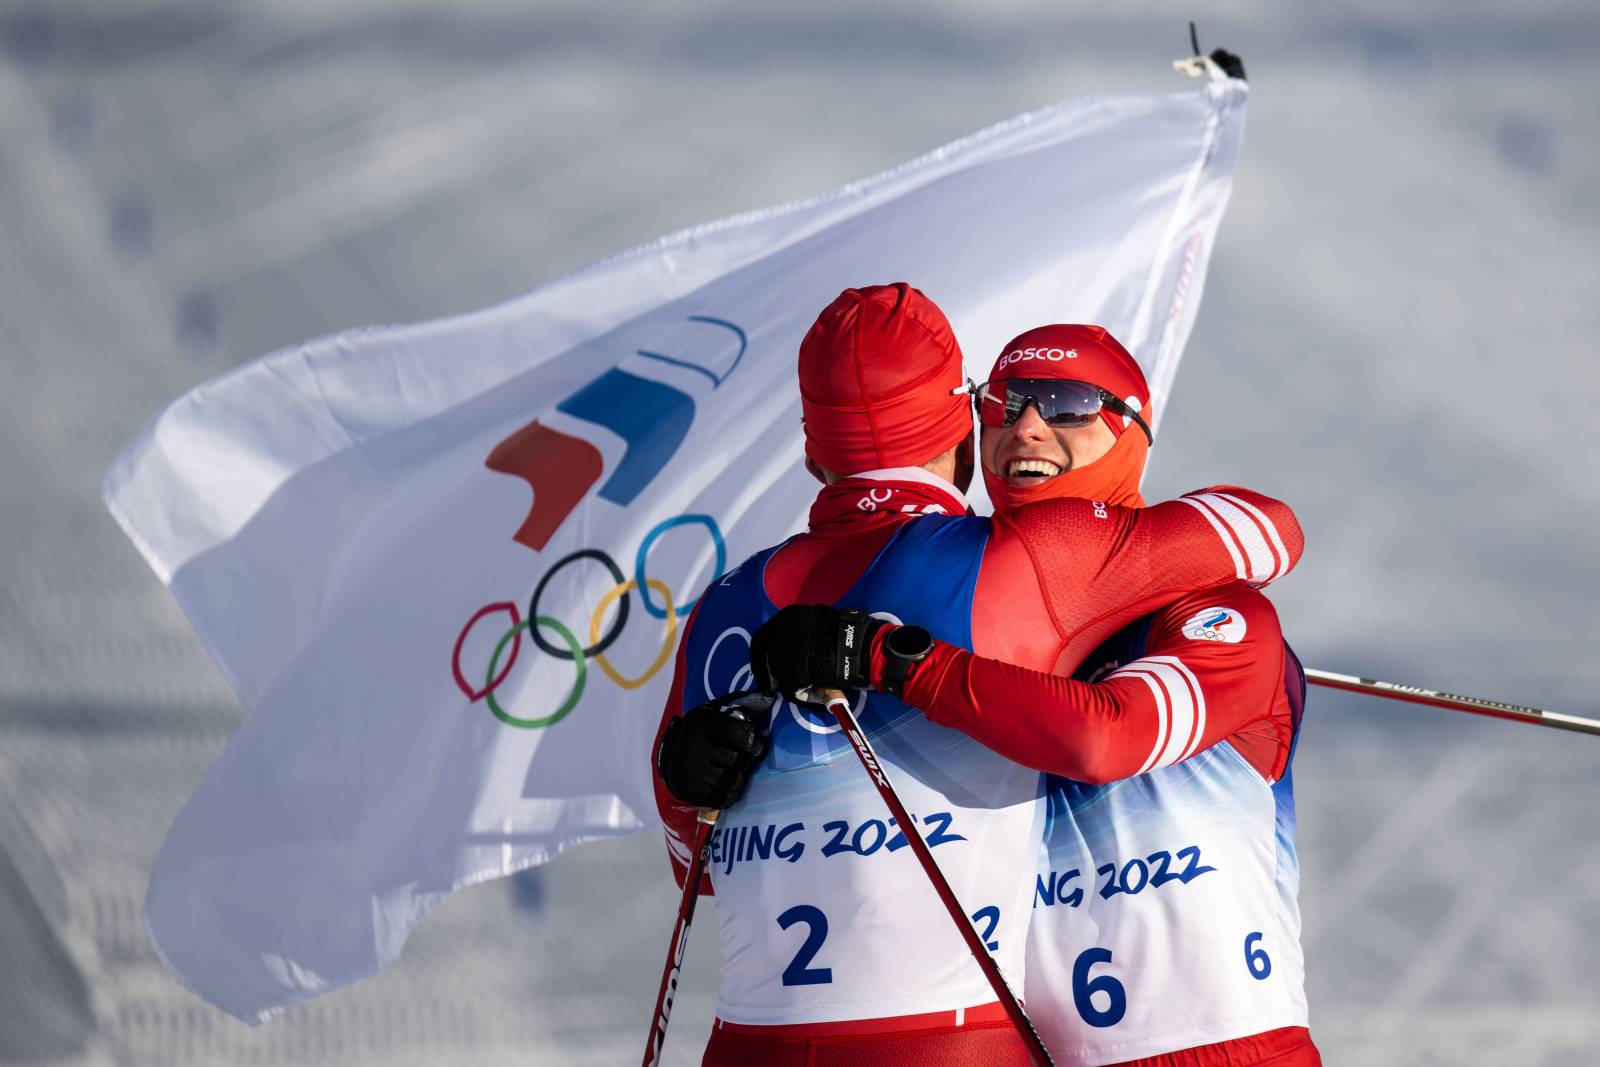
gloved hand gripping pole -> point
(740, 706)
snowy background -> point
(1398, 337)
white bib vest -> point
(1165, 915)
(825, 913)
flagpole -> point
(680, 939)
(852, 730)
(1454, 702)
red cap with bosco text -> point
(1081, 354)
(881, 382)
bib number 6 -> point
(1256, 958)
(1084, 988)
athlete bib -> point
(1165, 916)
(825, 913)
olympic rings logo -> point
(600, 637)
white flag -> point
(444, 565)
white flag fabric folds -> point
(444, 565)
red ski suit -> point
(1056, 579)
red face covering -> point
(1084, 354)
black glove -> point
(808, 646)
(707, 755)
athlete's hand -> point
(808, 646)
(707, 755)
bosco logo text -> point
(1023, 355)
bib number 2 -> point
(800, 971)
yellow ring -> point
(667, 643)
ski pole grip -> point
(822, 696)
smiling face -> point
(1030, 451)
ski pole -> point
(680, 939)
(742, 705)
(852, 730)
(1454, 702)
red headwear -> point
(1082, 354)
(880, 381)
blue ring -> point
(815, 715)
(650, 539)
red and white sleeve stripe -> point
(1180, 708)
(1251, 538)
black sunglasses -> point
(1001, 402)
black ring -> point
(605, 641)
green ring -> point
(577, 685)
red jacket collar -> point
(878, 497)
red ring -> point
(455, 658)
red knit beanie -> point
(880, 382)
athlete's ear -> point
(966, 461)
(821, 473)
